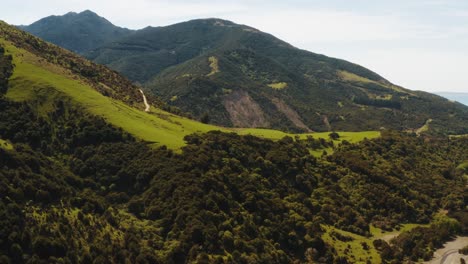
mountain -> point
(237, 76)
(88, 175)
(459, 97)
(78, 32)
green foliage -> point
(77, 189)
(6, 69)
(419, 243)
(224, 197)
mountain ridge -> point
(214, 68)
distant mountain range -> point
(459, 97)
(235, 75)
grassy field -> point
(5, 145)
(351, 137)
(43, 83)
(360, 249)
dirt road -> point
(147, 106)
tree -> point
(334, 135)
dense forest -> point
(77, 190)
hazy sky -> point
(421, 45)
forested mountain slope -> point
(77, 185)
(235, 75)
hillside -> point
(86, 175)
(235, 75)
(77, 32)
(57, 74)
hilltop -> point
(77, 32)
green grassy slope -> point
(39, 81)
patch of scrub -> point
(213, 65)
(348, 76)
(384, 97)
(5, 145)
(278, 85)
(351, 77)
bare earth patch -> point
(292, 115)
(244, 111)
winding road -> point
(449, 254)
(449, 257)
(147, 106)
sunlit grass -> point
(354, 250)
(278, 85)
(213, 65)
(40, 82)
(5, 145)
